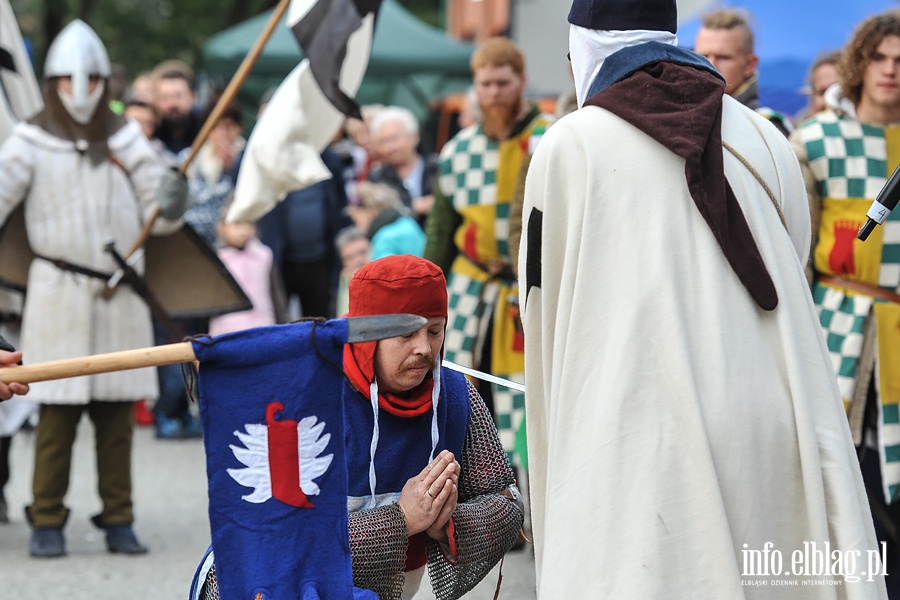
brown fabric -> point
(681, 108)
(56, 121)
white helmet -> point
(77, 52)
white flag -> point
(20, 98)
(20, 95)
(282, 154)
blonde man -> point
(726, 39)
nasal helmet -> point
(77, 52)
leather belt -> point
(67, 266)
(862, 288)
(505, 273)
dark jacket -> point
(302, 227)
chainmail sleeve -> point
(378, 545)
(210, 589)
(486, 522)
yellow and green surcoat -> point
(477, 181)
(851, 162)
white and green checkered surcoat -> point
(849, 160)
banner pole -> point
(153, 356)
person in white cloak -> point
(686, 438)
(85, 177)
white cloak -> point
(673, 426)
(72, 208)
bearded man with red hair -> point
(429, 482)
(469, 228)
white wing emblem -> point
(277, 461)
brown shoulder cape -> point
(680, 107)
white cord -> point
(373, 396)
(485, 376)
(435, 393)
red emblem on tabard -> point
(284, 459)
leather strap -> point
(861, 288)
(67, 266)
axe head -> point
(379, 327)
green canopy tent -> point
(411, 62)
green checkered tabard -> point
(471, 177)
(509, 408)
(469, 301)
(889, 274)
(468, 171)
(889, 434)
(843, 320)
(501, 230)
(849, 160)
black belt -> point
(67, 266)
(131, 278)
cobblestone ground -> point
(170, 518)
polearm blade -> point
(360, 329)
(379, 327)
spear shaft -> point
(224, 100)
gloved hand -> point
(172, 195)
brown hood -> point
(681, 108)
(56, 121)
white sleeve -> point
(16, 173)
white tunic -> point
(72, 208)
(673, 426)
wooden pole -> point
(227, 96)
(154, 356)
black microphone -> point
(881, 208)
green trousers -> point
(113, 432)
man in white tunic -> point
(85, 178)
(685, 435)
